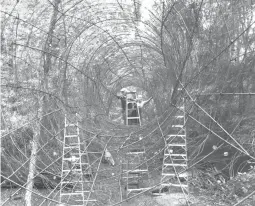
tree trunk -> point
(42, 106)
(32, 163)
(32, 169)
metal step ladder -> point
(175, 160)
(132, 110)
(135, 170)
(76, 175)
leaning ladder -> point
(76, 177)
(132, 109)
(175, 161)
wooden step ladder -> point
(132, 110)
(135, 169)
(76, 175)
(175, 160)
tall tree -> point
(42, 104)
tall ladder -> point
(135, 170)
(76, 176)
(135, 167)
(175, 159)
(132, 110)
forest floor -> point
(146, 199)
(18, 199)
(107, 190)
(175, 199)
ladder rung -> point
(135, 171)
(133, 117)
(135, 153)
(87, 191)
(175, 164)
(71, 135)
(176, 145)
(140, 189)
(77, 153)
(72, 193)
(130, 190)
(175, 185)
(71, 125)
(178, 125)
(174, 175)
(72, 170)
(176, 155)
(176, 135)
(179, 116)
(166, 174)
